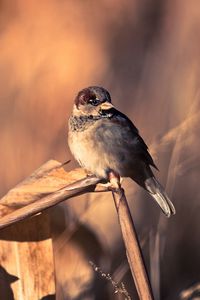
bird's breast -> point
(101, 147)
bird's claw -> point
(115, 181)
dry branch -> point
(133, 251)
(80, 187)
(46, 187)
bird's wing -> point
(139, 144)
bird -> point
(103, 140)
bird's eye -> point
(94, 102)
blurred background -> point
(146, 53)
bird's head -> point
(92, 101)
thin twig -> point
(118, 287)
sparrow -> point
(103, 140)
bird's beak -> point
(106, 106)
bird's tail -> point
(156, 190)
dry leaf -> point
(49, 178)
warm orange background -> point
(147, 54)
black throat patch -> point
(81, 123)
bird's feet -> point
(115, 180)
